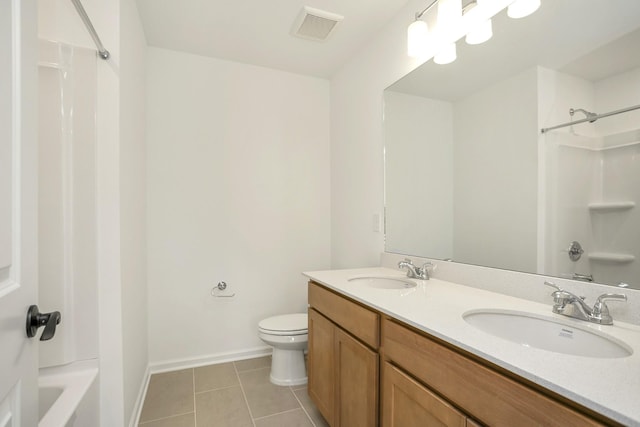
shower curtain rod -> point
(102, 52)
(591, 118)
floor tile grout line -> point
(302, 406)
(244, 395)
(217, 389)
(142, 423)
(278, 413)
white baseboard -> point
(211, 359)
(194, 362)
(137, 408)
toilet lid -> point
(287, 324)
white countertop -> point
(610, 386)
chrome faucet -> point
(571, 305)
(414, 272)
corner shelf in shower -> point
(611, 257)
(611, 206)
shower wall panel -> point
(67, 211)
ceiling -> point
(258, 32)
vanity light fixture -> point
(483, 30)
(522, 8)
(450, 24)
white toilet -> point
(288, 335)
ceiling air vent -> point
(314, 24)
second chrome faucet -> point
(414, 272)
(571, 305)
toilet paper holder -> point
(220, 287)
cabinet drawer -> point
(406, 403)
(485, 394)
(352, 317)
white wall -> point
(495, 134)
(133, 51)
(418, 153)
(238, 191)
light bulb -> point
(522, 8)
(482, 32)
(446, 55)
(449, 15)
(417, 39)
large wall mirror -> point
(470, 177)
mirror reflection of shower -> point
(593, 176)
(592, 116)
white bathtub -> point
(62, 390)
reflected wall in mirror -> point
(469, 175)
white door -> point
(18, 211)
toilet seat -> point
(288, 324)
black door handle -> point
(35, 319)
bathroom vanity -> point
(397, 352)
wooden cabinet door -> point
(320, 361)
(356, 368)
(406, 403)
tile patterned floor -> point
(234, 394)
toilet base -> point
(288, 367)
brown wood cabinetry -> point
(424, 382)
(480, 391)
(343, 361)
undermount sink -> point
(546, 333)
(384, 282)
